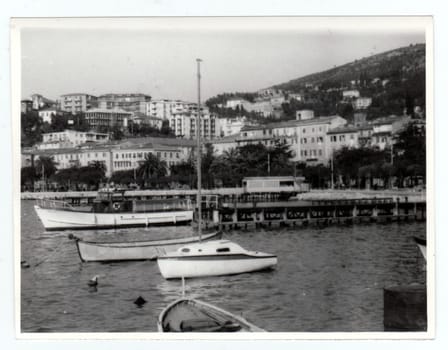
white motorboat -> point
(191, 315)
(112, 210)
(421, 243)
(134, 250)
(213, 258)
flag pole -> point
(198, 136)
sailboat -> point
(213, 258)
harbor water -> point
(328, 279)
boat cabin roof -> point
(212, 247)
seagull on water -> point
(93, 282)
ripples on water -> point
(327, 279)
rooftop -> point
(292, 123)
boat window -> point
(223, 250)
(185, 250)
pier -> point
(253, 214)
(233, 208)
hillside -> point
(395, 64)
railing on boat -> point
(162, 205)
(54, 204)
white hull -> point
(422, 250)
(216, 266)
(54, 219)
(142, 250)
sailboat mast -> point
(198, 136)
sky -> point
(158, 57)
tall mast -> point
(198, 136)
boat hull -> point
(126, 251)
(56, 219)
(205, 266)
(172, 318)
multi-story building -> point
(47, 114)
(384, 130)
(344, 136)
(77, 102)
(70, 138)
(224, 144)
(143, 119)
(306, 138)
(230, 126)
(362, 103)
(124, 155)
(126, 102)
(100, 117)
(235, 102)
(184, 125)
(26, 106)
(40, 102)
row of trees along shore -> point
(404, 165)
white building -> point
(306, 138)
(70, 138)
(125, 155)
(235, 102)
(344, 136)
(362, 103)
(47, 114)
(184, 125)
(77, 102)
(304, 114)
(230, 126)
(385, 128)
(348, 94)
(101, 117)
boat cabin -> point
(223, 247)
(114, 201)
(110, 200)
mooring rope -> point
(50, 255)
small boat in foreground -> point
(421, 243)
(213, 258)
(134, 250)
(111, 209)
(191, 315)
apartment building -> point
(384, 130)
(126, 102)
(362, 103)
(306, 138)
(124, 155)
(70, 138)
(39, 102)
(230, 126)
(77, 102)
(101, 117)
(184, 125)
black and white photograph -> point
(231, 175)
